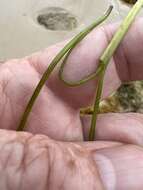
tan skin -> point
(52, 155)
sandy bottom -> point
(21, 34)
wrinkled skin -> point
(51, 155)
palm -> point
(56, 114)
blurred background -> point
(27, 26)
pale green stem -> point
(53, 64)
(96, 104)
(107, 55)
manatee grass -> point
(99, 73)
(54, 63)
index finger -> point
(125, 65)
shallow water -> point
(21, 34)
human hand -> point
(34, 159)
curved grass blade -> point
(53, 64)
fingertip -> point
(125, 128)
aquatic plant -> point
(99, 73)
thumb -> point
(36, 162)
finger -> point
(121, 167)
(50, 115)
(126, 128)
(125, 65)
(129, 57)
(82, 61)
(35, 162)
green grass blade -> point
(53, 64)
(107, 55)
